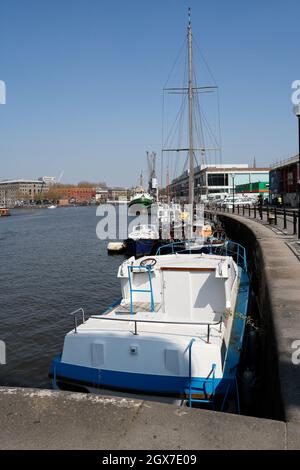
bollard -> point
(243, 210)
(254, 212)
(249, 210)
(261, 213)
(284, 218)
(294, 223)
(275, 214)
(238, 209)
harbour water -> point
(51, 263)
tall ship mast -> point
(190, 99)
(190, 90)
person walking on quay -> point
(279, 201)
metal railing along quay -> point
(281, 217)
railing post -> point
(190, 371)
(151, 290)
(275, 213)
(208, 332)
(254, 212)
(294, 223)
(238, 209)
(261, 213)
(243, 209)
(249, 211)
(130, 289)
(284, 218)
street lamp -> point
(233, 176)
(297, 112)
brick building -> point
(81, 195)
(283, 180)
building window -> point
(219, 179)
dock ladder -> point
(131, 290)
(205, 387)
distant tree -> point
(89, 184)
(86, 184)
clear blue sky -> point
(84, 81)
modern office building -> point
(283, 181)
(12, 191)
(216, 179)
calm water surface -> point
(51, 262)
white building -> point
(214, 179)
(48, 179)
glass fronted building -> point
(217, 179)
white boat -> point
(142, 240)
(115, 247)
(144, 232)
(53, 206)
(174, 332)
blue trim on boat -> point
(238, 327)
(135, 382)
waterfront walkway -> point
(283, 225)
(45, 419)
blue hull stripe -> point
(144, 383)
(238, 328)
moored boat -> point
(177, 330)
(142, 240)
(142, 198)
(4, 212)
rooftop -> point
(21, 181)
(286, 162)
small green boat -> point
(141, 198)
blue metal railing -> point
(190, 370)
(230, 248)
(111, 306)
(150, 290)
(238, 253)
(210, 378)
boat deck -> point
(153, 323)
(137, 307)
